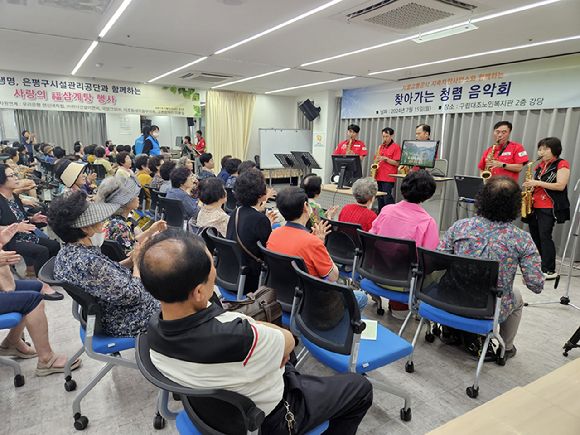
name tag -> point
(509, 153)
(523, 153)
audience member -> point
(125, 305)
(223, 173)
(73, 177)
(232, 170)
(78, 149)
(90, 153)
(207, 164)
(195, 343)
(125, 163)
(244, 166)
(182, 183)
(48, 155)
(212, 194)
(165, 172)
(185, 162)
(312, 185)
(364, 191)
(101, 160)
(143, 174)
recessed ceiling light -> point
(251, 78)
(232, 2)
(310, 84)
(201, 59)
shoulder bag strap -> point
(259, 260)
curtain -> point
(229, 121)
(63, 128)
(302, 123)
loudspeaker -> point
(309, 110)
(190, 122)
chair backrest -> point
(460, 285)
(338, 339)
(154, 198)
(207, 239)
(386, 260)
(113, 250)
(257, 161)
(280, 275)
(142, 199)
(342, 241)
(88, 304)
(231, 202)
(101, 171)
(173, 212)
(205, 408)
(49, 170)
(230, 262)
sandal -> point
(12, 350)
(45, 369)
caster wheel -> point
(380, 311)
(158, 422)
(409, 367)
(116, 354)
(176, 397)
(18, 381)
(472, 392)
(406, 414)
(81, 422)
(436, 331)
(429, 338)
(565, 354)
(70, 385)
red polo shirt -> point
(514, 153)
(200, 145)
(358, 147)
(393, 152)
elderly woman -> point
(182, 183)
(126, 306)
(232, 166)
(124, 191)
(73, 177)
(35, 250)
(212, 194)
(312, 185)
(125, 163)
(364, 191)
(185, 162)
(165, 171)
(491, 235)
(249, 225)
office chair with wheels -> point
(342, 244)
(341, 347)
(8, 321)
(231, 202)
(173, 213)
(462, 293)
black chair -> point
(231, 202)
(462, 293)
(113, 250)
(173, 212)
(209, 242)
(279, 275)
(257, 161)
(231, 267)
(49, 168)
(154, 205)
(342, 244)
(100, 170)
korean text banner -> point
(538, 84)
(20, 90)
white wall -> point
(270, 112)
(115, 129)
(169, 128)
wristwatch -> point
(503, 166)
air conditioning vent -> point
(459, 4)
(409, 16)
(206, 77)
(92, 6)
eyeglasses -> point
(12, 176)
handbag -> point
(261, 305)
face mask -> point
(155, 134)
(97, 239)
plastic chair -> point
(153, 204)
(100, 170)
(462, 293)
(279, 275)
(8, 321)
(388, 261)
(97, 346)
(232, 203)
(341, 347)
(257, 161)
(231, 268)
(204, 410)
(49, 168)
(173, 212)
(113, 250)
(342, 244)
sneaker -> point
(550, 275)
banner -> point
(539, 84)
(20, 90)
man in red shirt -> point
(357, 146)
(388, 157)
(509, 158)
(200, 147)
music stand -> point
(289, 161)
(574, 228)
(306, 159)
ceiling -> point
(153, 37)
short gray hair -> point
(182, 162)
(364, 189)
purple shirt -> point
(406, 220)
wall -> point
(169, 128)
(131, 125)
(270, 112)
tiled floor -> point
(124, 402)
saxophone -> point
(375, 165)
(486, 174)
(349, 151)
(527, 198)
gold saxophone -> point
(375, 165)
(486, 174)
(349, 151)
(527, 198)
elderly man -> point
(508, 158)
(423, 132)
(195, 343)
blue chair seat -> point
(476, 326)
(371, 287)
(285, 318)
(10, 320)
(372, 354)
(229, 295)
(105, 344)
(186, 427)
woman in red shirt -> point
(550, 201)
(364, 191)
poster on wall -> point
(19, 90)
(538, 84)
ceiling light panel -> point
(311, 84)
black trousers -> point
(342, 399)
(38, 253)
(387, 187)
(541, 225)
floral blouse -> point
(118, 229)
(317, 213)
(156, 182)
(126, 305)
(504, 242)
(21, 236)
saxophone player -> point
(352, 145)
(388, 157)
(550, 202)
(509, 158)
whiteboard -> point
(282, 141)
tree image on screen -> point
(419, 155)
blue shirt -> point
(223, 175)
(28, 145)
(139, 145)
(190, 205)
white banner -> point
(538, 84)
(20, 90)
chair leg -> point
(162, 409)
(473, 391)
(406, 411)
(302, 357)
(69, 383)
(77, 402)
(409, 366)
(379, 302)
(404, 325)
(18, 378)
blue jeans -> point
(361, 299)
